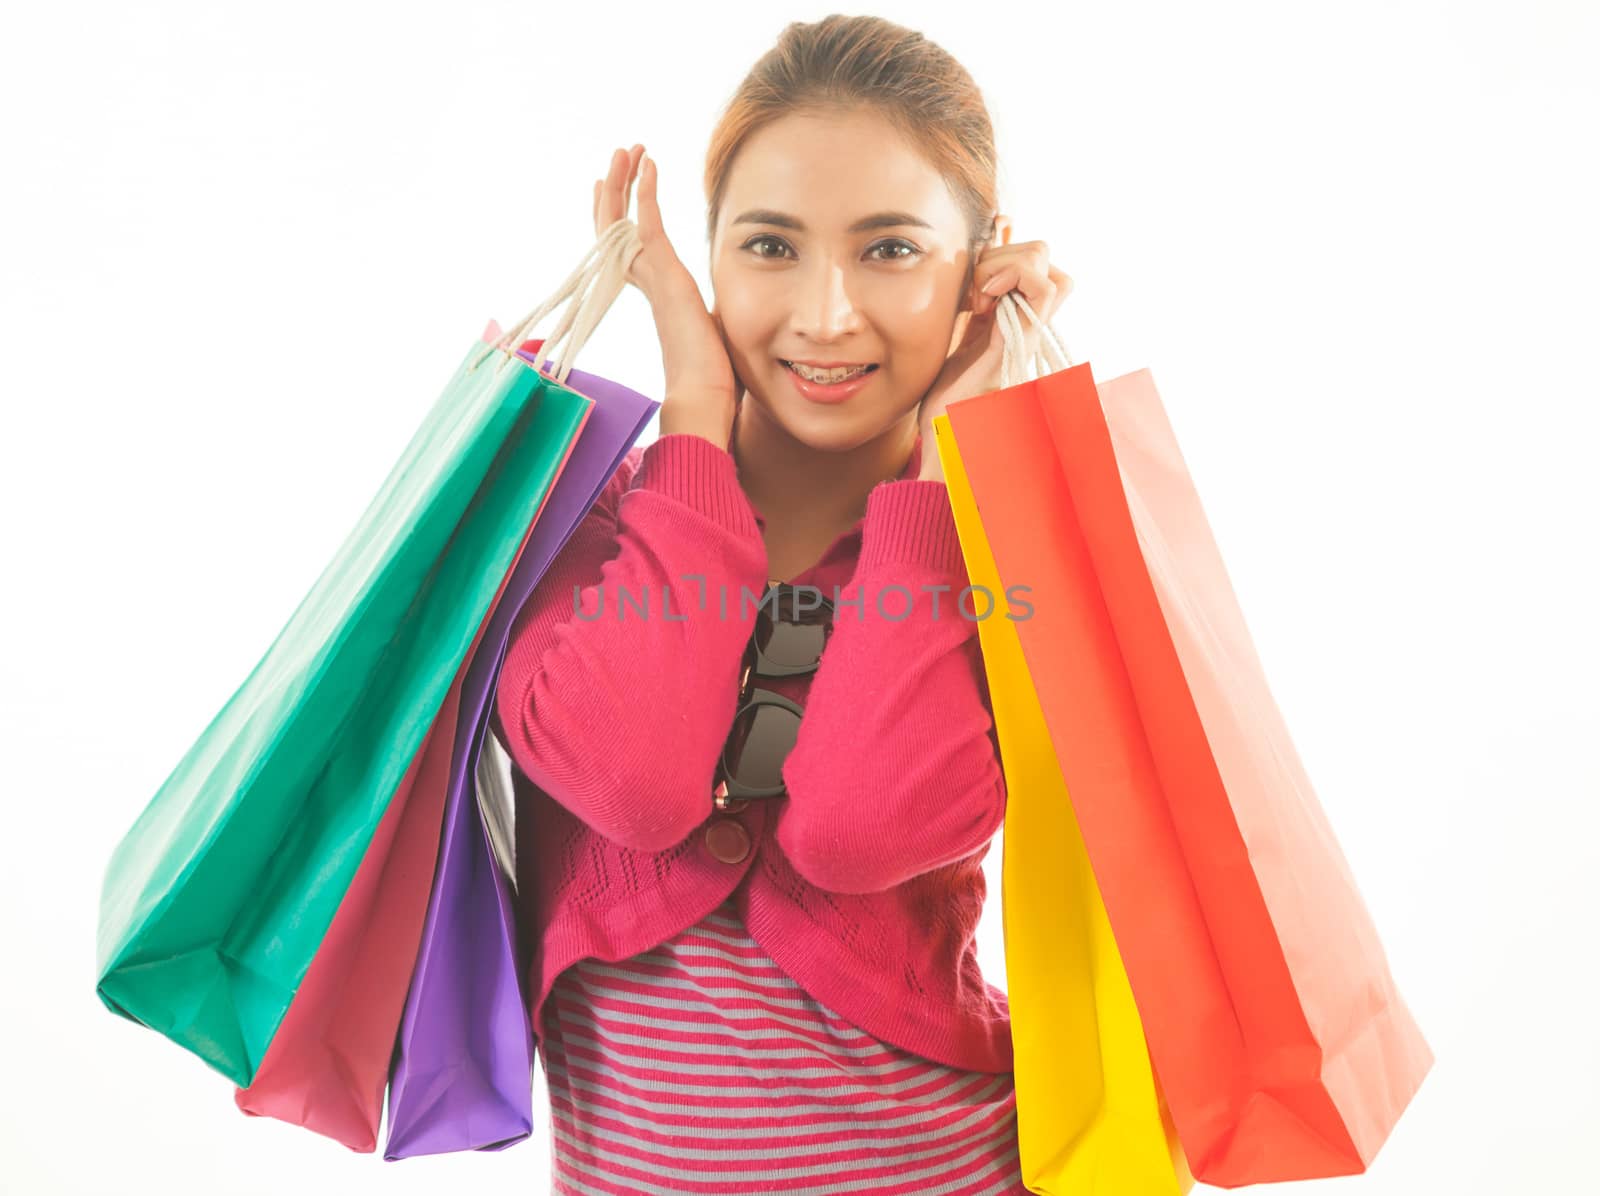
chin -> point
(828, 431)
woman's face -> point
(799, 275)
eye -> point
(896, 243)
(769, 238)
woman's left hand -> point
(974, 367)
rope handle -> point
(588, 293)
(1051, 354)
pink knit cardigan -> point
(863, 882)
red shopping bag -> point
(328, 1065)
(1274, 1025)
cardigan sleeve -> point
(895, 770)
(621, 672)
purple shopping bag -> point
(462, 1073)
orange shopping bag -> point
(1279, 1038)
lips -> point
(829, 392)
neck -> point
(808, 496)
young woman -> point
(750, 935)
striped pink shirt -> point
(699, 1067)
(858, 1048)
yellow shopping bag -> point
(1091, 1120)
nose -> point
(824, 309)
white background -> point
(244, 246)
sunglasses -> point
(787, 642)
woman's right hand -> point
(702, 392)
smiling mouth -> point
(833, 376)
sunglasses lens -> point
(791, 644)
(790, 633)
(762, 738)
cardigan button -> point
(727, 840)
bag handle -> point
(1051, 354)
(588, 293)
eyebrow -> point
(865, 224)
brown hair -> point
(841, 62)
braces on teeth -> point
(827, 376)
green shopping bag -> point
(215, 902)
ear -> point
(1002, 229)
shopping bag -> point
(1283, 1047)
(329, 1063)
(327, 1066)
(1091, 1120)
(462, 1076)
(215, 901)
